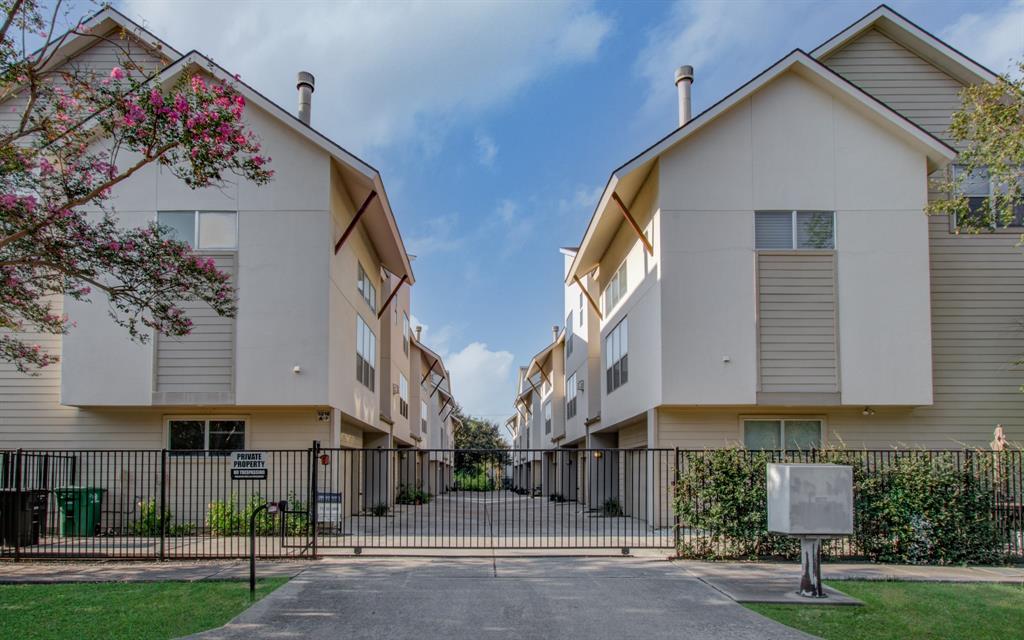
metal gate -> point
(494, 499)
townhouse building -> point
(320, 349)
(765, 276)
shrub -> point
(225, 518)
(149, 522)
(412, 495)
(611, 508)
(477, 480)
(380, 510)
(911, 508)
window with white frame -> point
(568, 335)
(423, 416)
(570, 397)
(782, 433)
(205, 436)
(202, 229)
(366, 288)
(583, 316)
(366, 354)
(978, 188)
(786, 230)
(615, 290)
(403, 395)
(405, 333)
(547, 417)
(616, 356)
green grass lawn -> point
(911, 611)
(137, 610)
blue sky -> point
(495, 125)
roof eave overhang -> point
(389, 244)
(918, 40)
(599, 233)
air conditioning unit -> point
(394, 389)
(579, 385)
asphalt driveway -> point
(474, 598)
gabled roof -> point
(627, 179)
(101, 22)
(537, 362)
(903, 31)
(379, 221)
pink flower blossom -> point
(117, 73)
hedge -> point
(909, 507)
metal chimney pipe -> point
(306, 85)
(554, 333)
(419, 332)
(684, 80)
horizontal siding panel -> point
(909, 84)
(202, 361)
(796, 323)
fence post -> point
(314, 460)
(675, 511)
(17, 504)
(163, 503)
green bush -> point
(149, 522)
(912, 508)
(380, 510)
(611, 508)
(412, 495)
(227, 518)
(477, 480)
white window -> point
(547, 417)
(403, 396)
(405, 333)
(568, 335)
(205, 436)
(615, 290)
(423, 416)
(789, 433)
(794, 230)
(366, 354)
(202, 229)
(583, 316)
(366, 288)
(570, 397)
(616, 356)
(977, 187)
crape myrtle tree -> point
(989, 129)
(480, 435)
(68, 136)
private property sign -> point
(248, 465)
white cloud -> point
(437, 235)
(482, 380)
(582, 201)
(992, 38)
(386, 72)
(487, 149)
(437, 341)
(702, 34)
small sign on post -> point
(328, 507)
(248, 465)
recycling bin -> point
(22, 521)
(80, 510)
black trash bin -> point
(22, 521)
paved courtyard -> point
(475, 598)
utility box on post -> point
(812, 502)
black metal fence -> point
(159, 504)
(997, 477)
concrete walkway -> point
(473, 598)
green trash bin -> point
(80, 509)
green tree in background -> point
(989, 130)
(476, 433)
